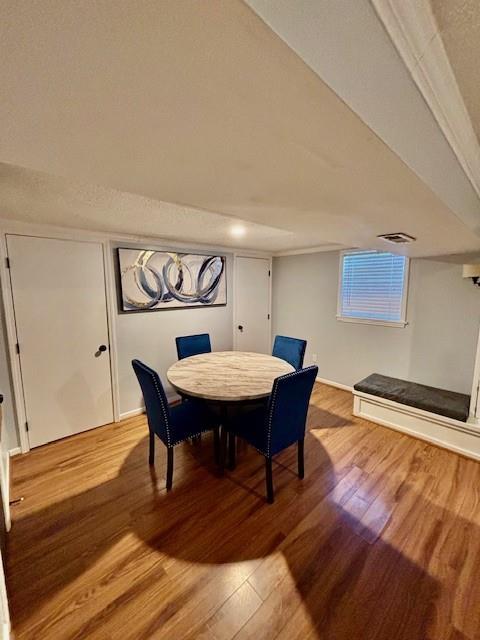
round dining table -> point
(227, 379)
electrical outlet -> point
(314, 358)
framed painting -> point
(158, 280)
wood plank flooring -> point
(380, 541)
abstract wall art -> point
(155, 280)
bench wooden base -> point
(462, 437)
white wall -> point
(437, 347)
(150, 336)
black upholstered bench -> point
(439, 401)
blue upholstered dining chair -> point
(171, 424)
(193, 345)
(290, 349)
(280, 423)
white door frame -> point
(9, 309)
(246, 254)
(4, 611)
(474, 416)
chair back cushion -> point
(193, 345)
(292, 350)
(287, 409)
(156, 403)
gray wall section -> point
(445, 317)
(150, 336)
(437, 347)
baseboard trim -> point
(461, 437)
(132, 413)
(172, 400)
(14, 452)
(332, 383)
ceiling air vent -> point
(397, 238)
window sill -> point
(381, 323)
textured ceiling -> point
(459, 26)
(201, 104)
(33, 197)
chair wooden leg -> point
(216, 445)
(231, 451)
(269, 479)
(301, 463)
(151, 449)
(169, 468)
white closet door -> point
(252, 305)
(61, 317)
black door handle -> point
(102, 348)
(240, 327)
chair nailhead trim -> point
(192, 435)
(270, 418)
(162, 404)
(272, 407)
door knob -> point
(240, 327)
(102, 348)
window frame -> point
(384, 323)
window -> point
(372, 287)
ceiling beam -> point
(414, 32)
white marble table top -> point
(227, 375)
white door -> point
(252, 305)
(60, 308)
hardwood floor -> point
(380, 541)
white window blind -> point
(372, 287)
